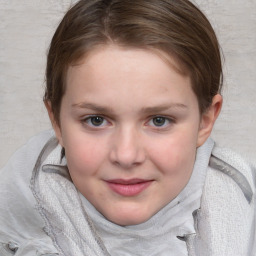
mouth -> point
(132, 187)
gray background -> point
(26, 28)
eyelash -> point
(88, 121)
(167, 122)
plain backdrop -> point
(26, 27)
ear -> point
(55, 124)
(208, 119)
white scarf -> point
(77, 228)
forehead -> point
(116, 76)
(168, 56)
(109, 59)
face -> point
(130, 126)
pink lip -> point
(130, 187)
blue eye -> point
(95, 121)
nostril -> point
(125, 164)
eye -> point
(95, 121)
(160, 121)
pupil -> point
(97, 120)
(159, 121)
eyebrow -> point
(151, 109)
(164, 107)
(91, 106)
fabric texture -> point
(226, 218)
(20, 222)
(42, 213)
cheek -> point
(175, 155)
(84, 157)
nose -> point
(127, 150)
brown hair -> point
(176, 27)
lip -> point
(131, 187)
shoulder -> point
(20, 223)
(227, 215)
(19, 168)
(236, 168)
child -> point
(132, 91)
